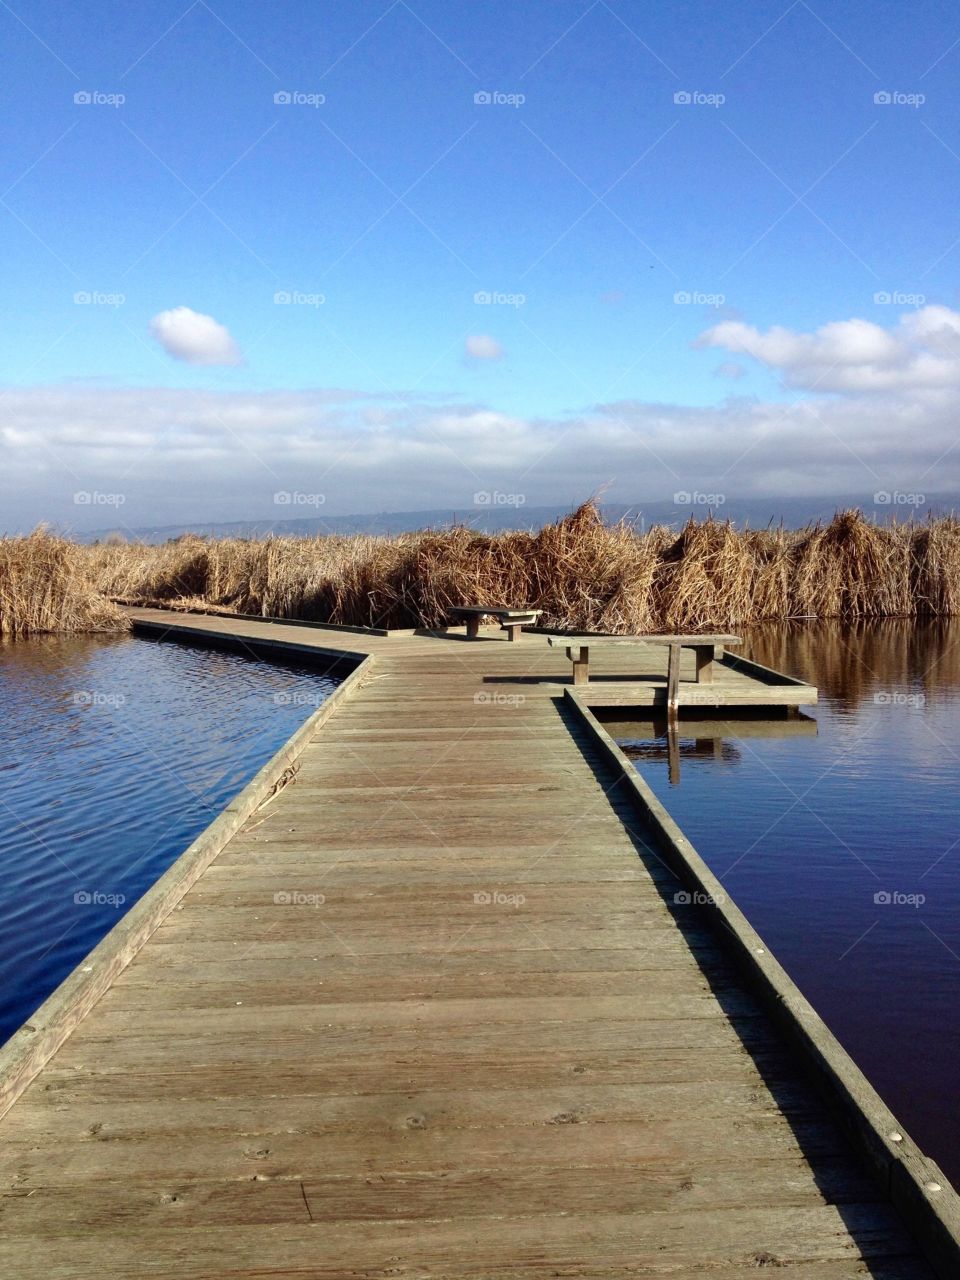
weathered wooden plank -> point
(50, 1119)
(591, 1245)
(149, 1205)
(294, 1041)
(110, 1080)
(495, 929)
(232, 1153)
(241, 1019)
(204, 987)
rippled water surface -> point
(114, 755)
(840, 840)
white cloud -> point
(198, 339)
(480, 346)
(921, 352)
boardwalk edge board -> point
(914, 1183)
(338, 628)
(267, 646)
(34, 1044)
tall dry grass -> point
(45, 585)
(583, 574)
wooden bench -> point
(704, 648)
(511, 620)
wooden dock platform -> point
(441, 1007)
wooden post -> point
(581, 663)
(473, 626)
(673, 679)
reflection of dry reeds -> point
(849, 662)
(583, 574)
(45, 586)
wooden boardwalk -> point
(434, 1012)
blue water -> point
(843, 847)
(114, 754)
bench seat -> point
(705, 649)
(511, 620)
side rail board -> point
(918, 1188)
(265, 644)
(29, 1049)
(229, 615)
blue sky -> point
(587, 197)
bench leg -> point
(705, 659)
(513, 630)
(473, 628)
(581, 663)
(673, 680)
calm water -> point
(840, 840)
(114, 755)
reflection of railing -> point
(711, 739)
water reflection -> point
(851, 663)
(675, 739)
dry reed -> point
(45, 585)
(583, 574)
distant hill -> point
(757, 512)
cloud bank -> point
(154, 456)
